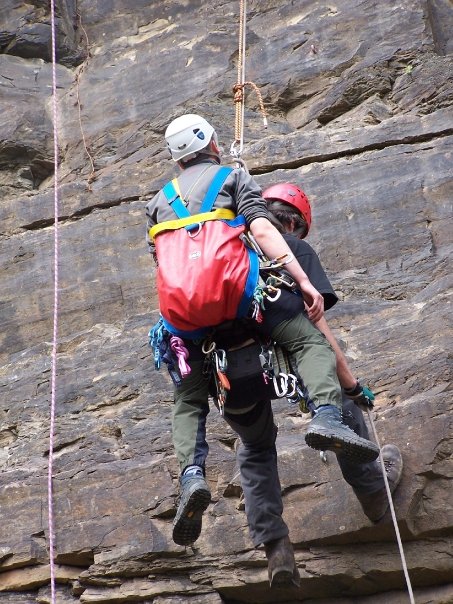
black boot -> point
(195, 498)
(376, 504)
(281, 563)
(327, 432)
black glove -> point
(362, 396)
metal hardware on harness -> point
(293, 380)
(218, 358)
(287, 386)
(197, 232)
(266, 363)
(281, 278)
(221, 368)
(208, 349)
(251, 242)
(276, 296)
(283, 379)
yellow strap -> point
(175, 183)
(173, 225)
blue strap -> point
(214, 188)
(175, 201)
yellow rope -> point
(239, 88)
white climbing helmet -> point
(187, 135)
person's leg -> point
(316, 364)
(257, 458)
(314, 358)
(189, 420)
(189, 438)
(366, 479)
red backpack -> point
(206, 274)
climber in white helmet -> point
(193, 144)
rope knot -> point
(238, 93)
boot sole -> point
(188, 520)
(282, 577)
(358, 452)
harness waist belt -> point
(173, 225)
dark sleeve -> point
(151, 220)
(248, 197)
(309, 261)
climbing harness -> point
(239, 92)
(263, 363)
(55, 313)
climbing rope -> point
(392, 510)
(55, 314)
(92, 175)
(239, 91)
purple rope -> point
(182, 354)
(55, 314)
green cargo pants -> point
(189, 417)
(314, 357)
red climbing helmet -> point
(293, 196)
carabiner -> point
(284, 378)
(276, 295)
(193, 235)
(234, 152)
(293, 380)
(210, 348)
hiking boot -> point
(375, 505)
(281, 564)
(327, 432)
(195, 498)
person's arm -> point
(362, 396)
(274, 246)
(345, 375)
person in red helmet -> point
(282, 195)
(290, 212)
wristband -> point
(354, 391)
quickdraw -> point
(285, 384)
(217, 364)
(160, 341)
(296, 392)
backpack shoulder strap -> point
(214, 188)
(174, 200)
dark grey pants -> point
(366, 477)
(257, 458)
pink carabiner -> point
(182, 354)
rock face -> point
(359, 97)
